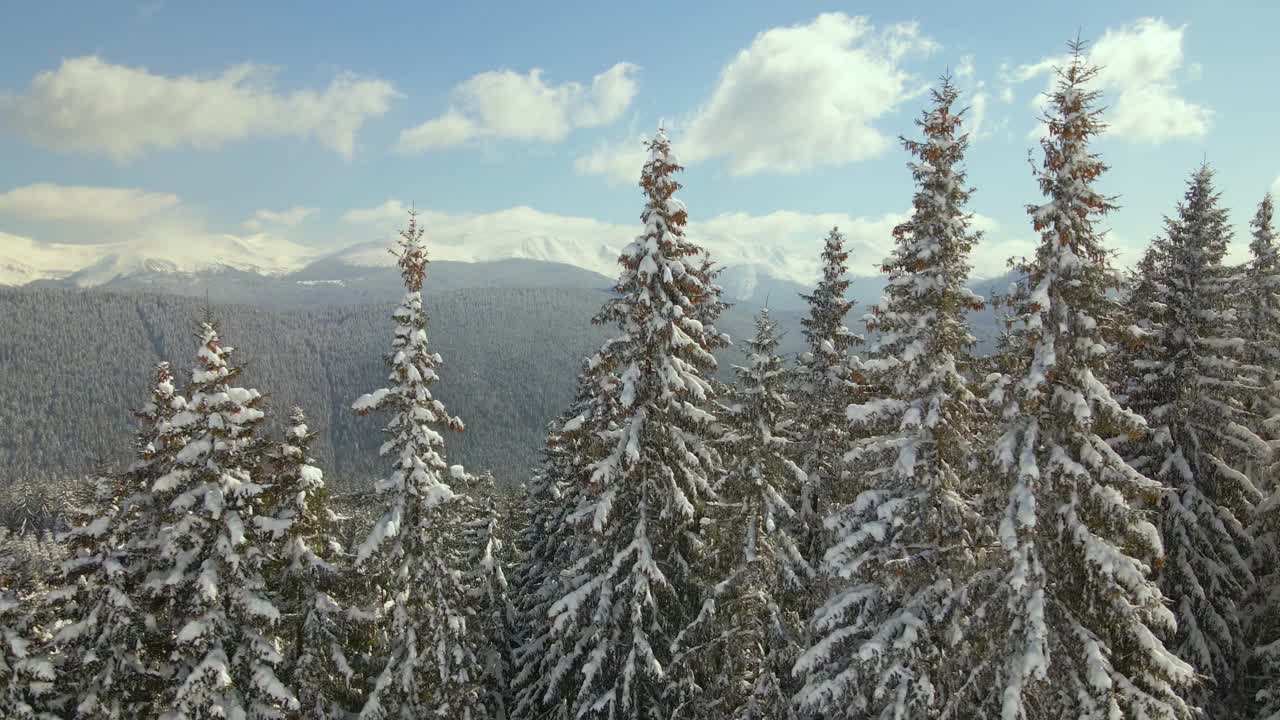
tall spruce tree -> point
(536, 582)
(904, 550)
(304, 576)
(1260, 325)
(489, 594)
(108, 671)
(27, 677)
(1079, 619)
(645, 496)
(1194, 384)
(217, 609)
(555, 529)
(748, 632)
(414, 560)
(828, 380)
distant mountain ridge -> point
(280, 274)
(513, 333)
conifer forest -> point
(1082, 524)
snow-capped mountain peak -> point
(23, 260)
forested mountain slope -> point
(74, 362)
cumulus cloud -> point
(505, 104)
(976, 98)
(391, 210)
(282, 218)
(1140, 68)
(807, 95)
(618, 162)
(797, 97)
(90, 105)
(84, 204)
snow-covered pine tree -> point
(554, 495)
(305, 570)
(489, 594)
(108, 672)
(904, 551)
(1138, 353)
(828, 380)
(1078, 619)
(747, 635)
(27, 676)
(535, 583)
(208, 570)
(1260, 694)
(414, 561)
(1260, 324)
(1195, 385)
(637, 587)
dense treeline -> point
(509, 348)
(1081, 525)
(313, 359)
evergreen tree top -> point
(1085, 618)
(667, 297)
(1069, 168)
(411, 253)
(828, 306)
(929, 265)
(1263, 244)
(1063, 297)
(759, 388)
(765, 341)
(1200, 232)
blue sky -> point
(202, 115)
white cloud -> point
(90, 105)
(389, 211)
(1006, 95)
(508, 105)
(1140, 66)
(84, 204)
(807, 95)
(286, 218)
(790, 243)
(1275, 187)
(620, 163)
(611, 94)
(977, 114)
(966, 69)
(448, 130)
(797, 97)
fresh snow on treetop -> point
(828, 379)
(1194, 386)
(1081, 619)
(306, 574)
(749, 629)
(1260, 326)
(904, 550)
(414, 559)
(108, 673)
(208, 574)
(646, 493)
